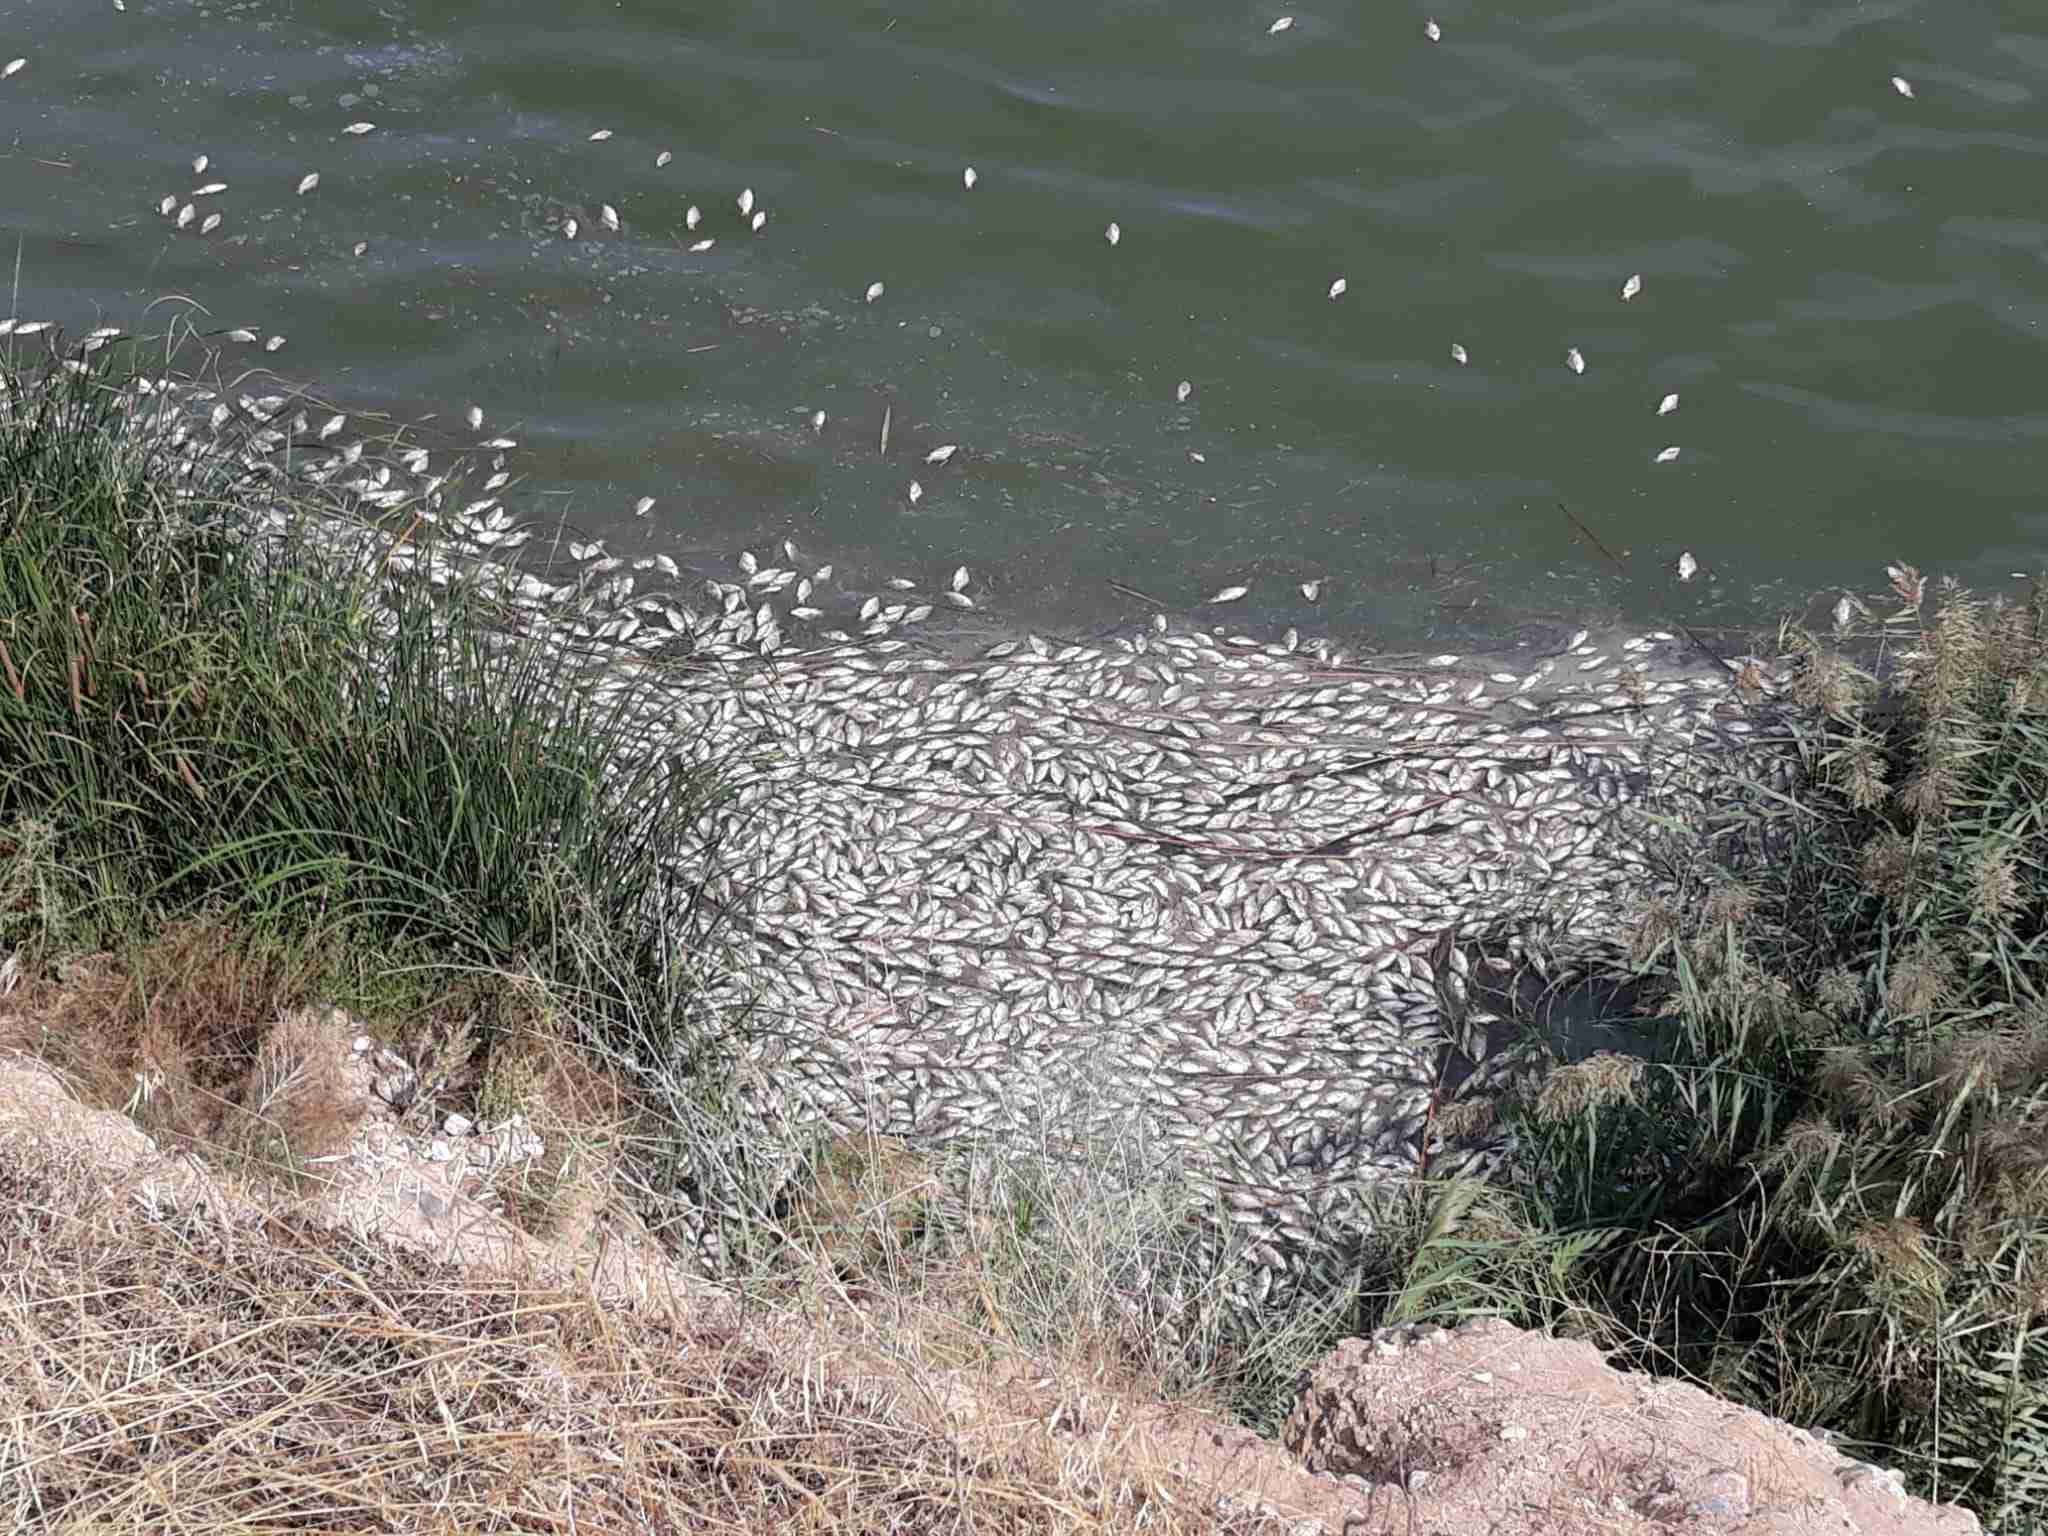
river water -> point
(1836, 212)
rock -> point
(1496, 1429)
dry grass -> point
(186, 1375)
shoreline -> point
(1166, 884)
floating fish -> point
(168, 206)
(210, 189)
(241, 333)
(1432, 31)
(1312, 590)
(1667, 405)
(1229, 594)
(748, 563)
(14, 67)
(902, 584)
(693, 217)
(608, 216)
(1687, 566)
(662, 159)
(332, 425)
(1182, 390)
(476, 418)
(361, 246)
(273, 343)
(916, 493)
(1575, 360)
(940, 455)
(1280, 26)
(643, 506)
(185, 215)
(968, 178)
(702, 246)
(1632, 287)
(1196, 456)
(1903, 86)
(569, 228)
(875, 291)
(600, 136)
(817, 421)
(359, 129)
(209, 224)
(746, 202)
(1666, 455)
(760, 219)
(1338, 287)
(1844, 611)
(1459, 355)
(960, 579)
(199, 165)
(501, 443)
(308, 182)
(1113, 234)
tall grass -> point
(1827, 1196)
(211, 701)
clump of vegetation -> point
(211, 700)
(1827, 1195)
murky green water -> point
(1843, 284)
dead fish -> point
(1687, 566)
(1667, 405)
(608, 216)
(186, 215)
(1459, 355)
(1229, 594)
(702, 246)
(693, 216)
(168, 206)
(960, 579)
(1632, 287)
(210, 189)
(817, 421)
(916, 493)
(968, 178)
(14, 67)
(1182, 390)
(760, 219)
(308, 182)
(746, 202)
(569, 228)
(476, 418)
(940, 455)
(1575, 360)
(1903, 86)
(359, 129)
(1114, 233)
(1666, 455)
(600, 136)
(643, 506)
(1432, 31)
(209, 224)
(875, 291)
(1280, 26)
(199, 165)
(1337, 288)
(662, 159)
(1312, 590)
(273, 343)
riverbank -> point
(1191, 955)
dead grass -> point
(182, 1376)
